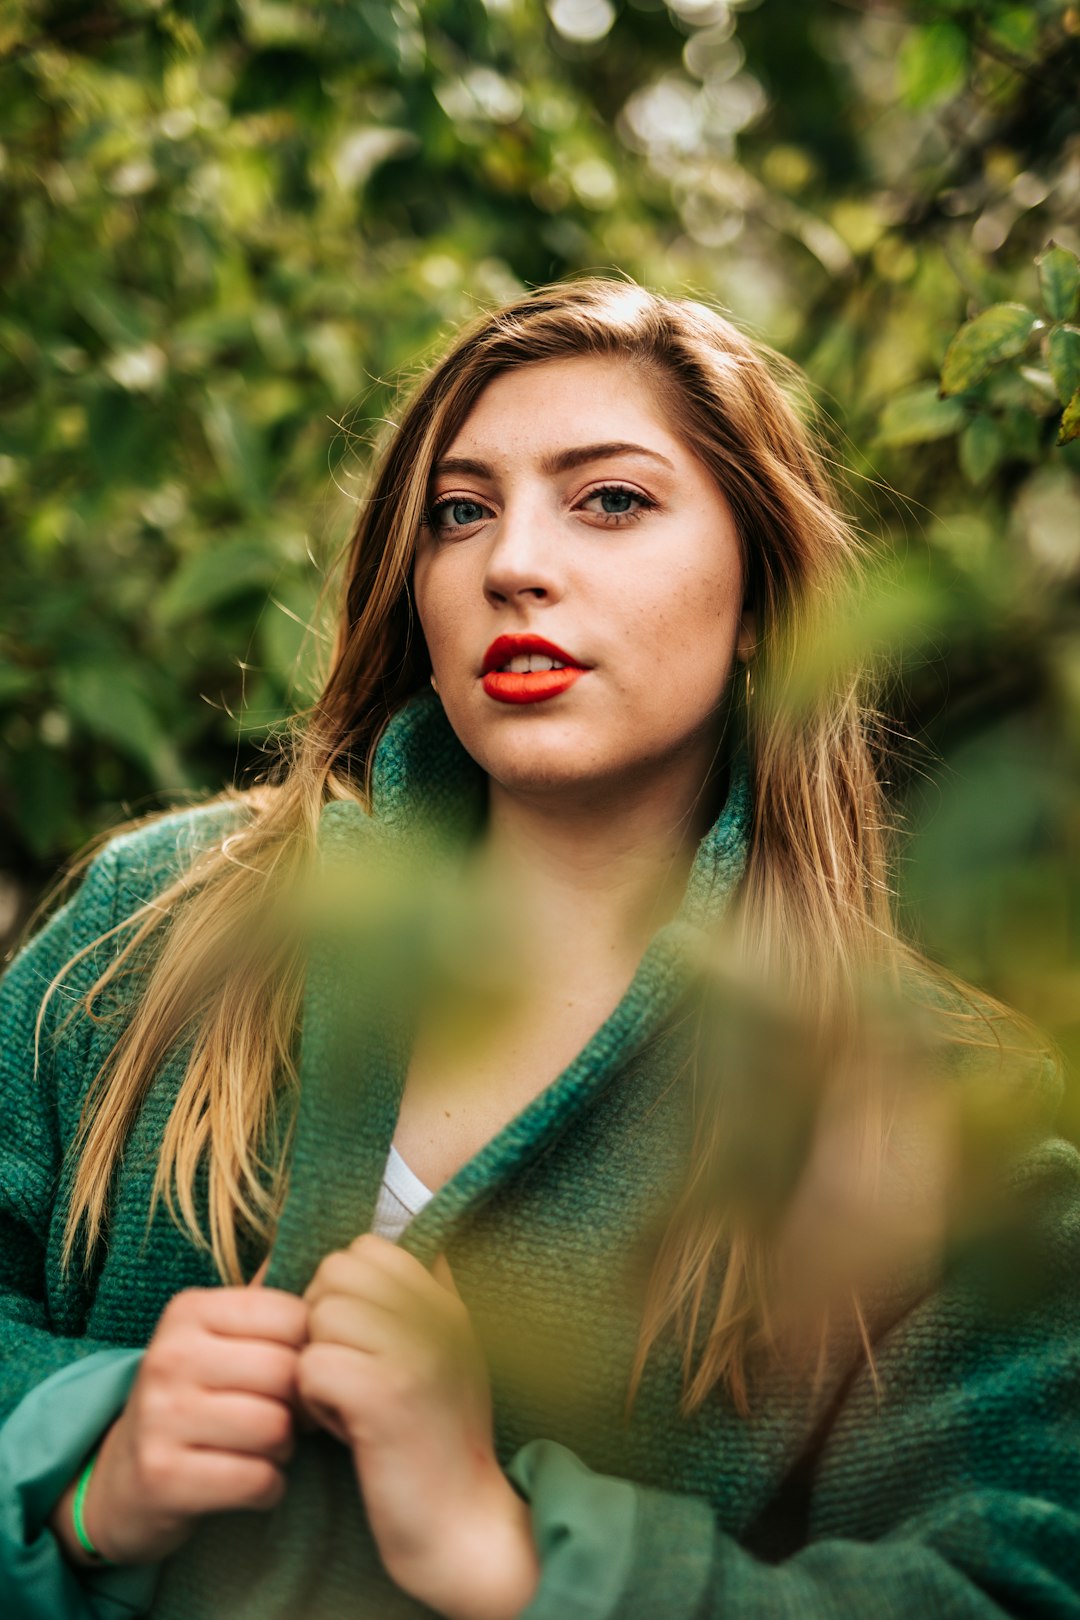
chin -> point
(532, 770)
(526, 757)
(549, 766)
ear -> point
(746, 640)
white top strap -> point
(401, 1196)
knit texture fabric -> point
(952, 1488)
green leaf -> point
(109, 701)
(235, 446)
(1059, 281)
(1020, 430)
(288, 633)
(1046, 513)
(125, 438)
(998, 333)
(919, 415)
(42, 790)
(112, 315)
(1070, 421)
(1021, 387)
(1042, 396)
(272, 22)
(14, 682)
(216, 575)
(933, 63)
(1063, 358)
(1017, 29)
(981, 449)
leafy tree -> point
(228, 225)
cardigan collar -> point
(427, 795)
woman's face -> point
(566, 510)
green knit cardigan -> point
(949, 1490)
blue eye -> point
(620, 506)
(622, 496)
(455, 504)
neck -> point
(594, 878)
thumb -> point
(441, 1272)
(256, 1281)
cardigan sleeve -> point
(42, 1446)
(31, 1146)
(58, 1392)
(951, 1489)
(44, 1076)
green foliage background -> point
(227, 225)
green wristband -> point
(77, 1514)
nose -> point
(524, 562)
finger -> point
(319, 1416)
(330, 1376)
(219, 1481)
(307, 1422)
(256, 1281)
(258, 1367)
(376, 1269)
(249, 1424)
(375, 1244)
(390, 1258)
(442, 1274)
(246, 1313)
(359, 1324)
(354, 1272)
(393, 1261)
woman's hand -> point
(207, 1427)
(394, 1370)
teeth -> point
(527, 663)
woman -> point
(572, 1387)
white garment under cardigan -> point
(401, 1196)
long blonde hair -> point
(816, 892)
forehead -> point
(549, 404)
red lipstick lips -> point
(527, 685)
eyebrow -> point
(556, 461)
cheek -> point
(437, 594)
(686, 630)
